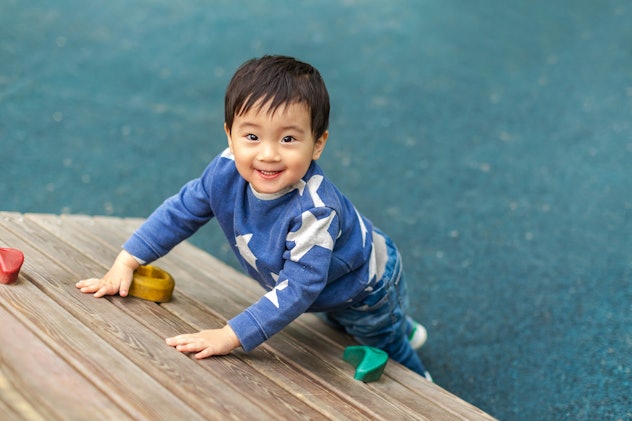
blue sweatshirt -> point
(307, 246)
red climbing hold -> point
(10, 263)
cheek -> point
(241, 162)
(243, 169)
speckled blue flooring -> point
(491, 139)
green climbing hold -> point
(368, 361)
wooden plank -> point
(340, 370)
(313, 398)
(211, 397)
(216, 286)
(440, 396)
(15, 411)
(304, 360)
(41, 383)
(13, 405)
(165, 324)
(118, 379)
(421, 395)
(115, 375)
(267, 377)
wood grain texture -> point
(67, 355)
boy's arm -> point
(303, 277)
(117, 280)
(175, 220)
(299, 283)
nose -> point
(268, 151)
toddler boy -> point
(291, 229)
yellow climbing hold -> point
(152, 284)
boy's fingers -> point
(100, 287)
(87, 285)
(84, 282)
(124, 288)
(106, 289)
(191, 347)
(186, 343)
(178, 340)
(190, 343)
(203, 354)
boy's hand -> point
(207, 342)
(116, 281)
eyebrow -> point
(293, 127)
(247, 124)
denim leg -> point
(379, 320)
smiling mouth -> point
(268, 174)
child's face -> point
(274, 151)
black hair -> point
(276, 81)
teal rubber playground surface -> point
(491, 139)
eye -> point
(252, 137)
(288, 139)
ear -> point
(319, 145)
(230, 142)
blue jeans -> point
(379, 320)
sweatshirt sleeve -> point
(175, 220)
(310, 244)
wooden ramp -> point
(68, 356)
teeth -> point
(268, 172)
